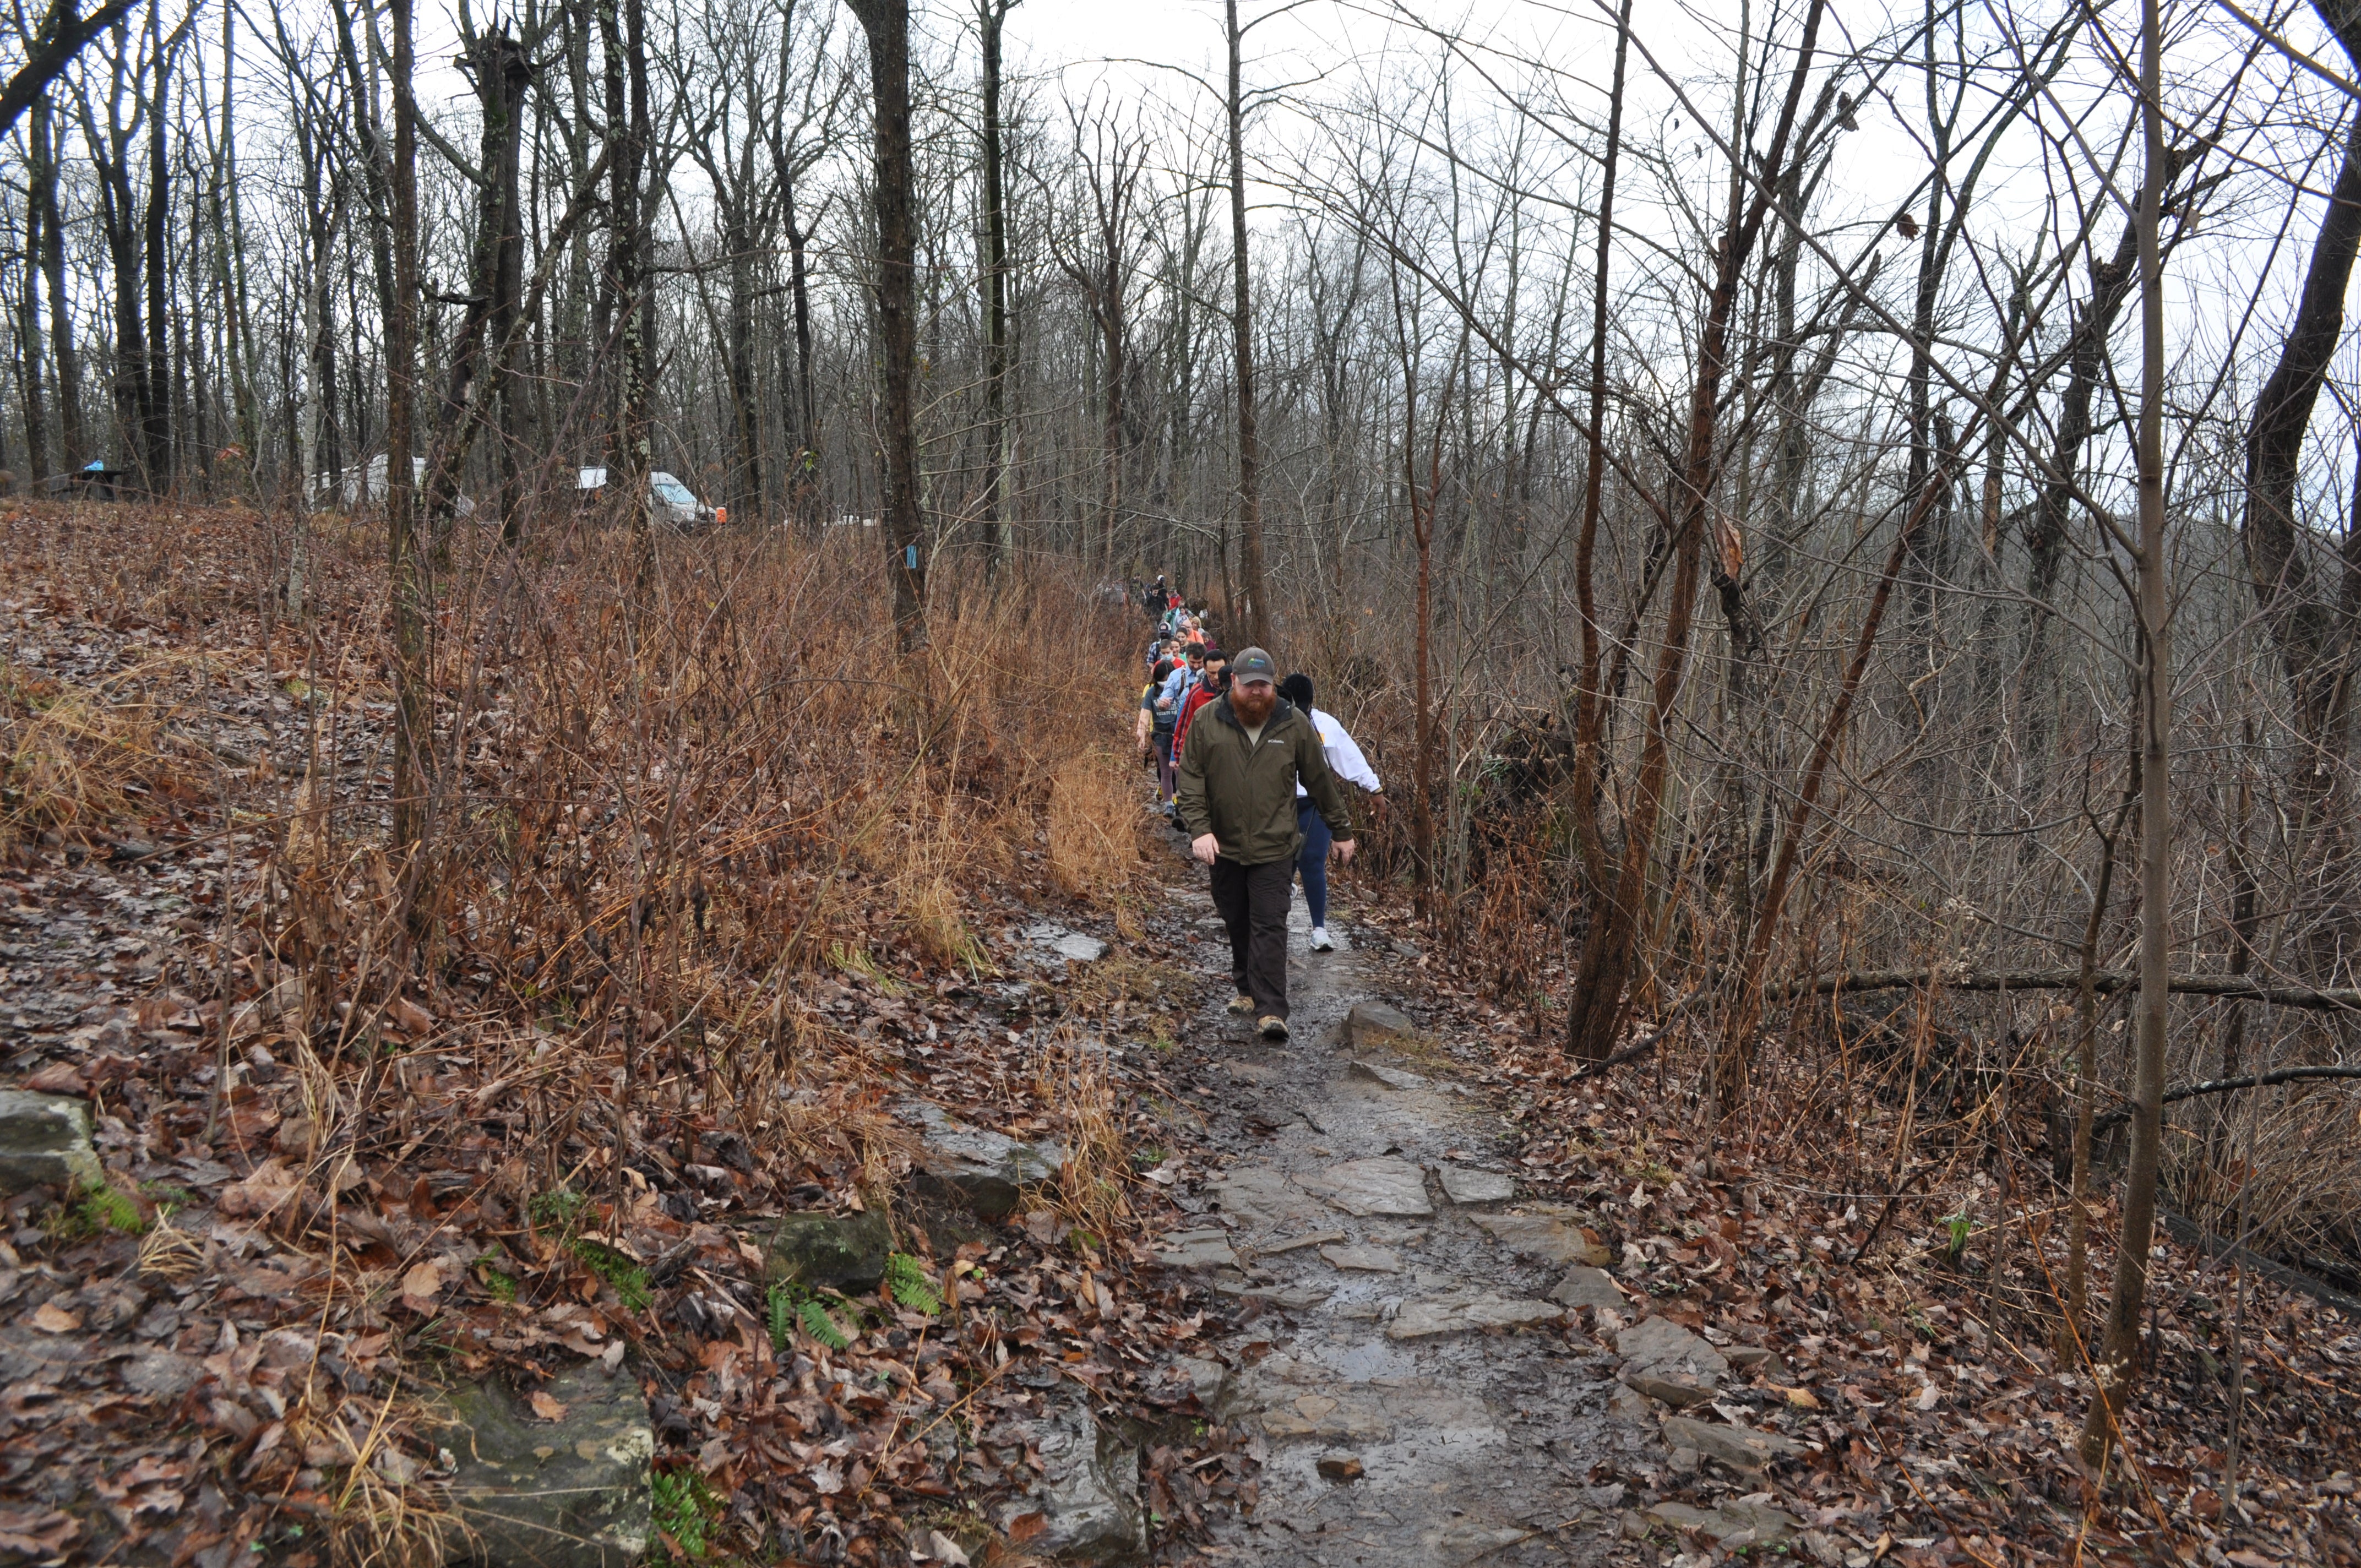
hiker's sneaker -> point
(1241, 1005)
(1274, 1027)
(1320, 940)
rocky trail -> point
(1414, 1360)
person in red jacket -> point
(1215, 681)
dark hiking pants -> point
(1253, 903)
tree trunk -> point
(503, 72)
(630, 454)
(1588, 706)
(888, 24)
(1250, 562)
(998, 537)
(2312, 636)
(28, 331)
(2117, 1365)
(412, 732)
(156, 412)
(43, 134)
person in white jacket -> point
(1345, 760)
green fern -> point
(906, 1276)
(820, 1326)
(779, 1314)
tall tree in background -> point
(888, 24)
(1250, 561)
(623, 40)
(52, 262)
(411, 735)
(991, 15)
(2311, 626)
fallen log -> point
(2232, 987)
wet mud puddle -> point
(1409, 1363)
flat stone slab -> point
(1292, 1297)
(1546, 1235)
(1375, 1024)
(1740, 1448)
(1197, 1249)
(1261, 1193)
(1368, 1259)
(1586, 1286)
(1433, 1318)
(1380, 1186)
(1734, 1524)
(44, 1141)
(1378, 1072)
(568, 1492)
(1666, 1361)
(1465, 1186)
(989, 1172)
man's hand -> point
(1204, 847)
(1344, 851)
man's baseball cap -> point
(1253, 664)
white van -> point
(351, 487)
(669, 500)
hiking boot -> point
(1320, 940)
(1240, 1005)
(1274, 1028)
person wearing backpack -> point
(1211, 685)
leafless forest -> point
(1841, 520)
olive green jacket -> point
(1244, 794)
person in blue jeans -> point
(1345, 760)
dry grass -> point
(1074, 1082)
(1095, 816)
(71, 758)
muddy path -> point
(1417, 1395)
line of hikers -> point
(1249, 770)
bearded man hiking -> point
(1238, 771)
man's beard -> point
(1251, 708)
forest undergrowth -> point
(713, 882)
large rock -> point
(1547, 1234)
(1664, 1360)
(988, 1172)
(1740, 1448)
(1375, 1024)
(1066, 944)
(1379, 1186)
(568, 1493)
(829, 1251)
(1432, 1319)
(44, 1141)
(1086, 1507)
